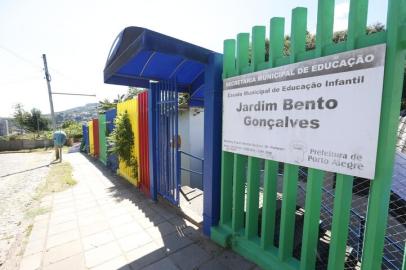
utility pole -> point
(51, 104)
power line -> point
(21, 57)
(20, 81)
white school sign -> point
(321, 113)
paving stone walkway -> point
(105, 223)
(20, 175)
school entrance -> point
(184, 96)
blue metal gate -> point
(168, 143)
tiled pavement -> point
(105, 223)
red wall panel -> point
(96, 137)
(143, 142)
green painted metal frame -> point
(102, 139)
(244, 239)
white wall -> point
(191, 130)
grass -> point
(36, 211)
(28, 230)
(59, 178)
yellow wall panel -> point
(131, 106)
(91, 139)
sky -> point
(76, 36)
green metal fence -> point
(252, 230)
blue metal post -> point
(212, 141)
(152, 140)
(177, 155)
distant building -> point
(4, 131)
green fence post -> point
(276, 39)
(251, 223)
(290, 179)
(226, 185)
(238, 192)
(258, 57)
(227, 157)
(341, 218)
(311, 219)
(324, 34)
(242, 62)
(343, 195)
(243, 44)
(271, 167)
(269, 203)
(380, 187)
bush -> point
(122, 142)
(72, 129)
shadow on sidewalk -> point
(28, 170)
(184, 247)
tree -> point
(20, 116)
(31, 121)
(105, 105)
(132, 92)
(36, 122)
(72, 129)
(338, 36)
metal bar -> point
(178, 161)
(276, 37)
(226, 186)
(269, 203)
(310, 235)
(238, 191)
(212, 142)
(167, 138)
(160, 137)
(361, 237)
(174, 136)
(287, 223)
(191, 155)
(73, 94)
(341, 218)
(290, 180)
(194, 92)
(192, 171)
(177, 68)
(251, 221)
(258, 47)
(146, 63)
(229, 69)
(167, 102)
(378, 202)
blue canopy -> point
(139, 55)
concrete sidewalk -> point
(105, 223)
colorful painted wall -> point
(102, 139)
(91, 138)
(112, 161)
(131, 106)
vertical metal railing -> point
(168, 161)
